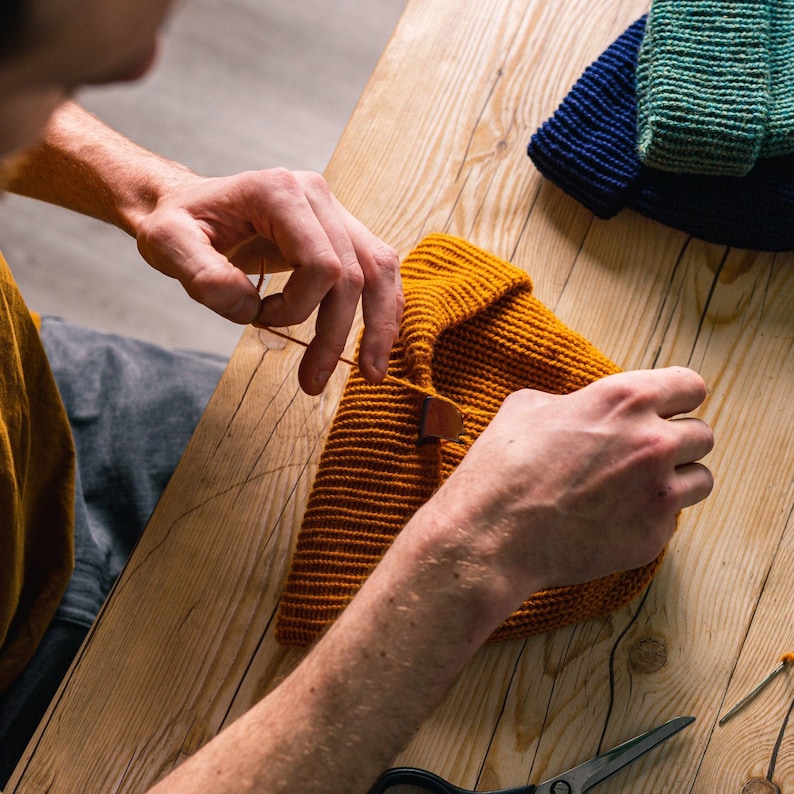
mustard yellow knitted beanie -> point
(472, 333)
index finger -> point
(667, 392)
(382, 296)
(301, 224)
(680, 390)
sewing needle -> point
(787, 659)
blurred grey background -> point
(241, 84)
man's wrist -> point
(460, 569)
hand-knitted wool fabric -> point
(587, 149)
(779, 128)
(472, 333)
(703, 85)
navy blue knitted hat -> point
(588, 148)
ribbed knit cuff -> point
(703, 85)
(588, 146)
(779, 129)
(753, 211)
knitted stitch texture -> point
(587, 148)
(779, 127)
(472, 333)
(703, 85)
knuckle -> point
(661, 441)
(620, 391)
(331, 266)
(516, 398)
(400, 303)
(524, 402)
(280, 182)
(353, 277)
(312, 182)
(384, 259)
(655, 453)
(281, 175)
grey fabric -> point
(132, 407)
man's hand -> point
(564, 489)
(557, 490)
(209, 232)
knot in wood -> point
(647, 656)
(760, 786)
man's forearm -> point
(344, 713)
(594, 491)
(209, 232)
(85, 166)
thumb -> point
(222, 287)
(179, 250)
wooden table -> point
(437, 143)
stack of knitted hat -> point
(472, 333)
(687, 118)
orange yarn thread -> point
(397, 381)
(261, 281)
(400, 381)
(282, 335)
(472, 332)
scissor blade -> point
(583, 777)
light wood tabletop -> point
(437, 143)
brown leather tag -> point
(440, 419)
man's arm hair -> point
(85, 166)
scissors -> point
(575, 781)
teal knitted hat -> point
(779, 132)
(715, 85)
(703, 85)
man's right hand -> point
(562, 489)
(557, 490)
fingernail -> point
(247, 308)
(321, 378)
(381, 366)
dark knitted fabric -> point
(754, 211)
(588, 146)
(588, 149)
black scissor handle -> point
(412, 776)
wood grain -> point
(437, 143)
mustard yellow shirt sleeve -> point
(36, 486)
